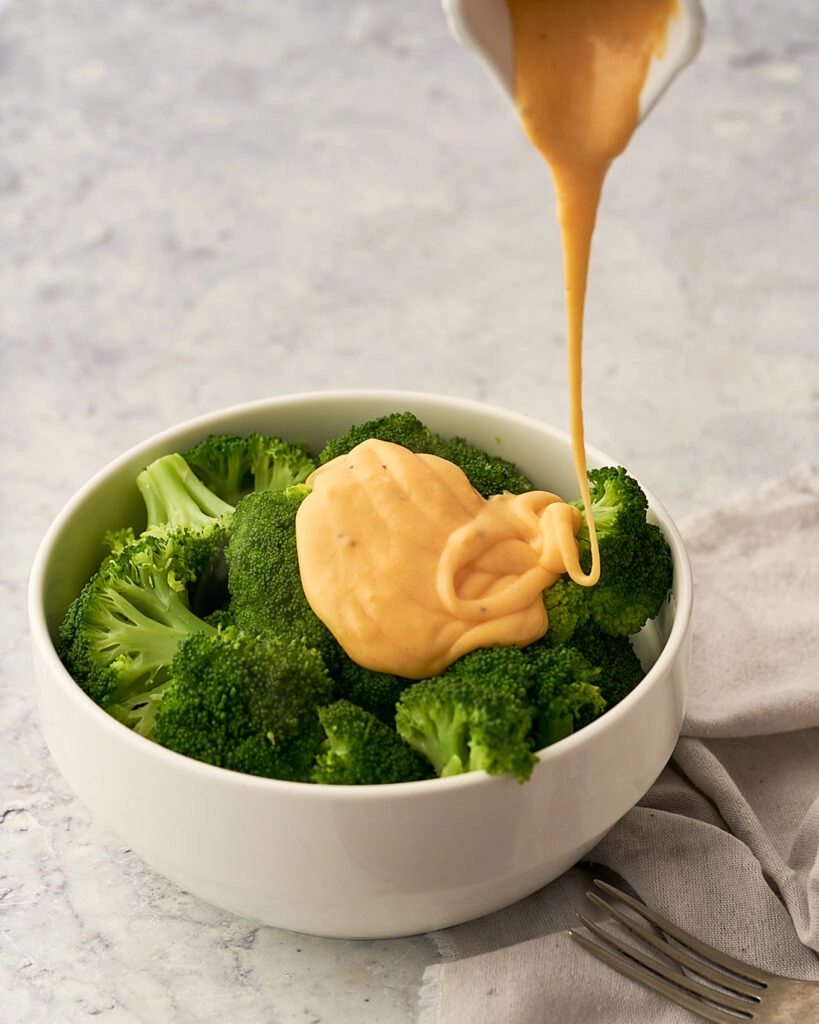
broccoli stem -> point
(175, 496)
(142, 627)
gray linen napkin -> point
(726, 842)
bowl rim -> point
(43, 643)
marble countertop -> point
(204, 202)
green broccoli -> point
(635, 559)
(120, 634)
(402, 428)
(475, 715)
(197, 633)
(177, 502)
(568, 608)
(137, 709)
(175, 498)
(233, 465)
(263, 572)
(564, 690)
(246, 703)
(495, 706)
(361, 750)
(377, 692)
(488, 474)
(620, 668)
(635, 563)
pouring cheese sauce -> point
(579, 69)
(407, 565)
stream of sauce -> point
(407, 565)
(579, 68)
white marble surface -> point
(206, 201)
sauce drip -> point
(579, 67)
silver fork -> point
(743, 992)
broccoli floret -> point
(361, 750)
(116, 540)
(220, 618)
(120, 634)
(246, 703)
(233, 465)
(620, 668)
(635, 564)
(177, 501)
(567, 607)
(475, 715)
(635, 558)
(623, 601)
(488, 474)
(619, 506)
(175, 498)
(376, 692)
(137, 710)
(263, 572)
(564, 691)
(495, 706)
(402, 428)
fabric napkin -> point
(726, 843)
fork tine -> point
(750, 989)
(657, 984)
(723, 1000)
(738, 967)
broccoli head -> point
(120, 634)
(495, 706)
(635, 564)
(623, 601)
(178, 502)
(619, 667)
(246, 703)
(175, 498)
(233, 465)
(266, 595)
(361, 750)
(137, 709)
(635, 559)
(402, 428)
(564, 691)
(475, 715)
(376, 692)
(488, 474)
(567, 607)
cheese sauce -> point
(407, 565)
(579, 68)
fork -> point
(742, 992)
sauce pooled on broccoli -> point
(410, 567)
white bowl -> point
(345, 861)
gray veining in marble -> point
(204, 202)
